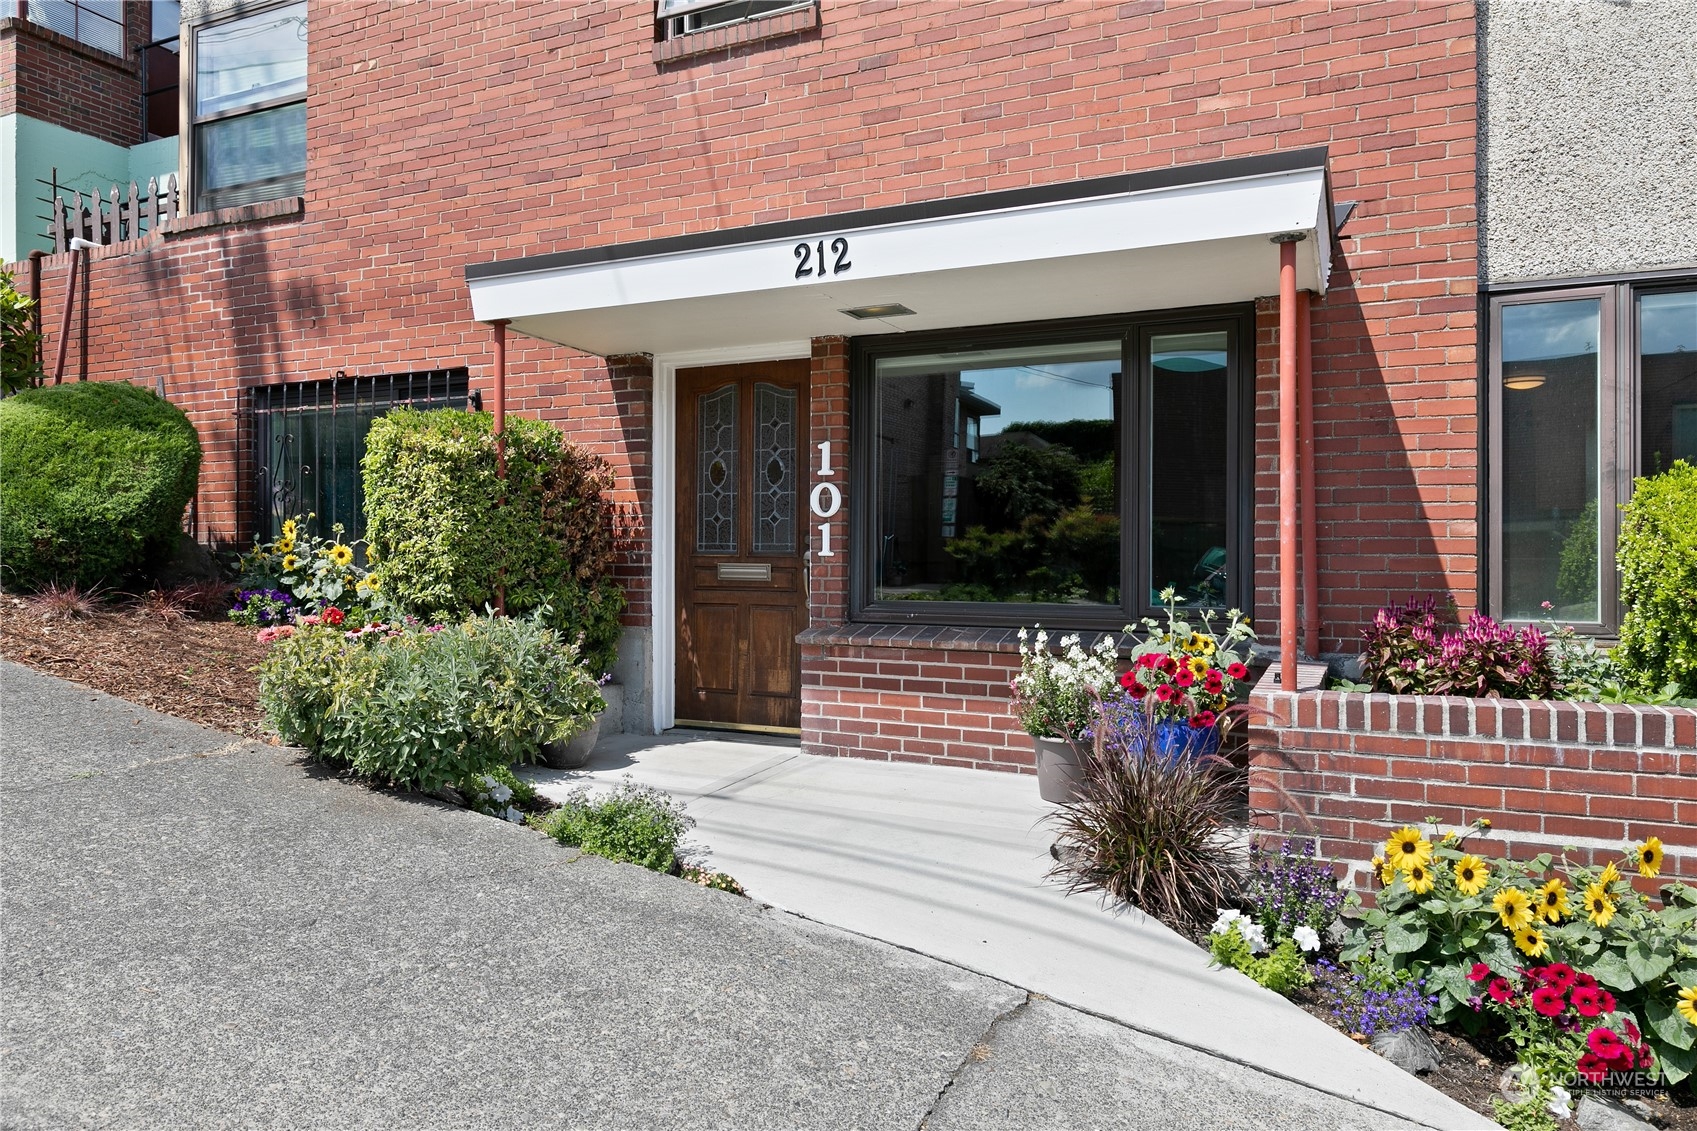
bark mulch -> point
(196, 667)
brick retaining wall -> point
(1348, 768)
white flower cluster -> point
(1247, 929)
(1307, 938)
(492, 798)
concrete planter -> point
(573, 753)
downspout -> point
(35, 258)
(1305, 439)
(79, 252)
(500, 432)
(1287, 460)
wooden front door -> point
(742, 530)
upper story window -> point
(1590, 387)
(97, 23)
(249, 108)
(681, 17)
(1065, 473)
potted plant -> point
(1056, 694)
(1184, 676)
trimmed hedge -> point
(94, 477)
(445, 545)
(1658, 580)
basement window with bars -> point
(307, 440)
(685, 17)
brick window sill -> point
(717, 39)
(912, 636)
(240, 214)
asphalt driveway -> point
(206, 933)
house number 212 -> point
(826, 500)
(810, 258)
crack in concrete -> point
(89, 775)
(978, 1053)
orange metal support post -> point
(1287, 460)
(1305, 438)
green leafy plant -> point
(500, 793)
(1284, 970)
(97, 475)
(1148, 831)
(1658, 580)
(635, 824)
(451, 535)
(18, 339)
(426, 707)
(1576, 575)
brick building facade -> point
(530, 146)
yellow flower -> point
(1687, 1004)
(1552, 902)
(1407, 847)
(1531, 942)
(284, 544)
(1420, 880)
(1386, 870)
(1194, 644)
(1598, 905)
(290, 562)
(1514, 908)
(289, 528)
(1609, 875)
(371, 555)
(340, 554)
(1471, 875)
(1650, 857)
(371, 582)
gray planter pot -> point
(574, 752)
(1060, 778)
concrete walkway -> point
(951, 863)
(201, 932)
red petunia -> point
(1148, 660)
(1213, 682)
(1588, 1000)
(1128, 680)
(1548, 1001)
(1606, 1045)
(1166, 693)
(1501, 992)
(1202, 720)
(1591, 1068)
(1479, 972)
(1585, 981)
(1184, 678)
(1237, 671)
(1168, 665)
(334, 616)
(1560, 975)
(1137, 689)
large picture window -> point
(249, 108)
(1589, 388)
(1066, 473)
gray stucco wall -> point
(1589, 137)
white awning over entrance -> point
(1111, 246)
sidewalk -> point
(950, 863)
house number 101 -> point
(826, 500)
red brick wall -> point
(1349, 769)
(53, 78)
(441, 135)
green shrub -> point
(18, 339)
(446, 546)
(635, 824)
(1284, 971)
(422, 709)
(1658, 580)
(94, 477)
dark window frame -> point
(191, 120)
(675, 27)
(1133, 456)
(80, 11)
(1619, 431)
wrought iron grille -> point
(305, 441)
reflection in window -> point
(1188, 479)
(1550, 408)
(1667, 380)
(250, 108)
(996, 475)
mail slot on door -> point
(745, 571)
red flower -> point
(334, 617)
(1128, 680)
(1168, 665)
(1237, 671)
(1591, 1069)
(1137, 690)
(1588, 1001)
(1202, 720)
(1149, 660)
(1166, 693)
(1585, 981)
(1501, 992)
(1548, 1001)
(1606, 1045)
(1632, 1033)
(1213, 682)
(1559, 975)
(1184, 678)
(1479, 972)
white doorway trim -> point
(662, 580)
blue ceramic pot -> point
(1175, 739)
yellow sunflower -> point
(1407, 847)
(1420, 879)
(1552, 902)
(1531, 942)
(1687, 1004)
(284, 544)
(1650, 857)
(371, 582)
(1514, 908)
(289, 528)
(340, 554)
(1198, 666)
(290, 562)
(1471, 875)
(1598, 905)
(1194, 644)
(1609, 875)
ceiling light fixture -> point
(1524, 381)
(877, 310)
